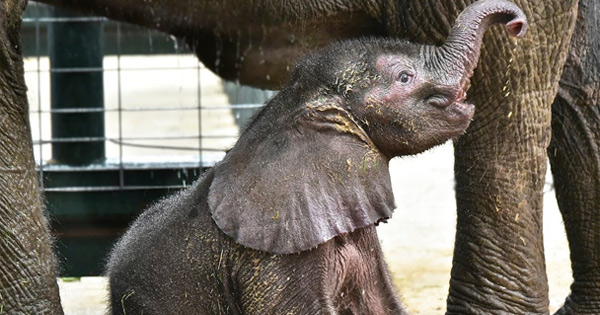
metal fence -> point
(120, 116)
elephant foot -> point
(580, 304)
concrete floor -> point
(84, 296)
(417, 241)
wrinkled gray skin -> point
(498, 265)
(27, 267)
(285, 224)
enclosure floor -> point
(417, 241)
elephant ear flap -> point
(289, 193)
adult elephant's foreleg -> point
(498, 264)
(27, 269)
(574, 155)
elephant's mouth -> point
(458, 108)
(461, 111)
(453, 104)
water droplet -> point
(218, 51)
(150, 41)
(238, 53)
(175, 42)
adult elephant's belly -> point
(263, 55)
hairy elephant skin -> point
(179, 260)
(498, 266)
(285, 224)
(27, 267)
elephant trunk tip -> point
(465, 39)
(517, 27)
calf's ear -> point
(288, 191)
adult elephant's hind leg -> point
(574, 157)
(574, 154)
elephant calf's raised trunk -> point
(460, 52)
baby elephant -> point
(285, 224)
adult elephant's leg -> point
(27, 269)
(574, 154)
(575, 161)
(498, 264)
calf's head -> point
(411, 97)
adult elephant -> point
(27, 267)
(498, 264)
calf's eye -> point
(404, 77)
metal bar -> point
(39, 99)
(142, 109)
(65, 19)
(53, 168)
(199, 100)
(77, 70)
(76, 45)
(117, 140)
(120, 109)
(87, 69)
(166, 147)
